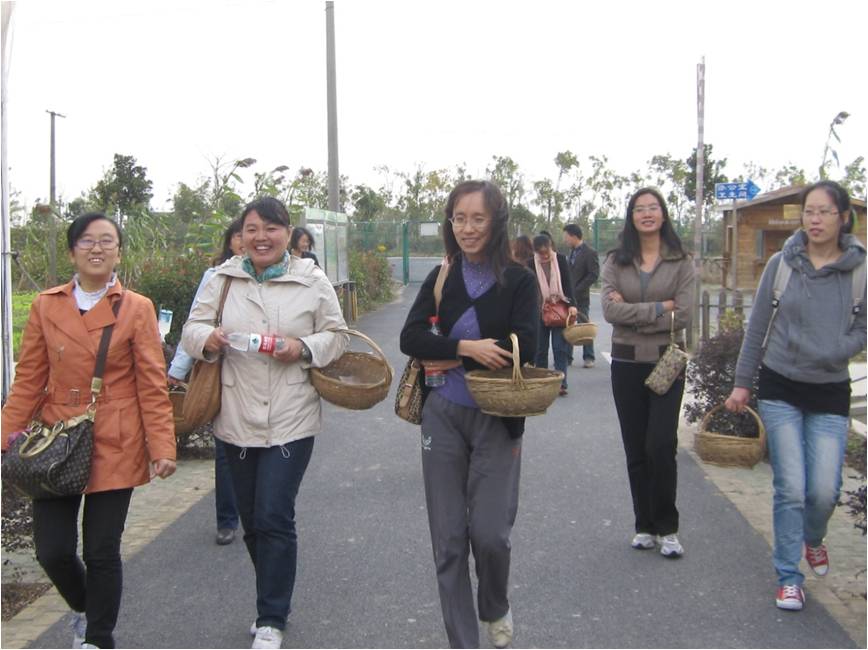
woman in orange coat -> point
(134, 435)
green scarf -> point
(274, 271)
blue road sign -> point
(746, 190)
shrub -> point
(172, 287)
(711, 376)
(373, 277)
(20, 311)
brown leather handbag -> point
(203, 395)
(555, 314)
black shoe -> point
(225, 536)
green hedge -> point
(373, 277)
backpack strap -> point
(858, 290)
(782, 277)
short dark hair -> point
(497, 249)
(542, 240)
(269, 209)
(80, 224)
(839, 197)
(573, 229)
(297, 232)
(628, 248)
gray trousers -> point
(471, 469)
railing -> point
(734, 300)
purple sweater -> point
(478, 278)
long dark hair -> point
(628, 248)
(497, 249)
(296, 235)
(522, 249)
(226, 250)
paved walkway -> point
(156, 507)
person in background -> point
(804, 382)
(553, 280)
(301, 244)
(584, 271)
(270, 411)
(471, 461)
(647, 282)
(182, 363)
(134, 430)
(522, 250)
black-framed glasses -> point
(106, 243)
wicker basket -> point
(580, 333)
(730, 451)
(516, 392)
(177, 393)
(358, 380)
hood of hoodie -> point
(795, 253)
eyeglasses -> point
(106, 244)
(478, 222)
(822, 212)
(650, 209)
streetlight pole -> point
(52, 222)
(334, 182)
(693, 332)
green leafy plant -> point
(20, 311)
(373, 277)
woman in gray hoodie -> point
(802, 347)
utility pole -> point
(6, 268)
(52, 222)
(700, 185)
(334, 179)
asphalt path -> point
(366, 574)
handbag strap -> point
(102, 354)
(438, 285)
(672, 329)
(218, 318)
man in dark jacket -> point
(584, 271)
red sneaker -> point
(790, 597)
(818, 558)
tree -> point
(368, 204)
(839, 119)
(124, 190)
(713, 174)
(669, 174)
(854, 178)
(505, 174)
(788, 175)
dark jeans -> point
(224, 494)
(560, 349)
(649, 429)
(94, 586)
(266, 481)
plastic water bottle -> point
(265, 343)
(434, 377)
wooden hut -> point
(762, 228)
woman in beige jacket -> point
(648, 282)
(270, 411)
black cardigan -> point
(512, 307)
(566, 279)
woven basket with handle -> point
(514, 392)
(580, 333)
(731, 451)
(357, 380)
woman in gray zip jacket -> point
(804, 387)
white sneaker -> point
(88, 646)
(79, 628)
(500, 631)
(267, 637)
(253, 628)
(642, 541)
(670, 546)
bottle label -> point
(267, 344)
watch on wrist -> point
(305, 354)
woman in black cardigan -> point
(553, 278)
(470, 460)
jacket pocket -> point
(295, 374)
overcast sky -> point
(176, 84)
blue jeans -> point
(266, 481)
(560, 349)
(224, 495)
(806, 451)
